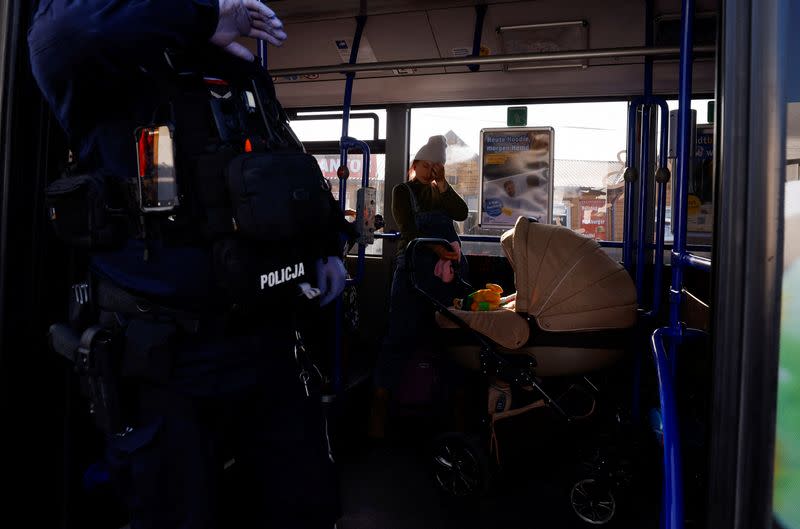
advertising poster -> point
(700, 214)
(516, 175)
(561, 215)
(593, 218)
(329, 164)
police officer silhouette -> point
(211, 376)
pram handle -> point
(491, 362)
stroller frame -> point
(523, 377)
(492, 363)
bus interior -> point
(673, 144)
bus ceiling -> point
(320, 34)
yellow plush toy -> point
(482, 300)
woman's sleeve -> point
(401, 211)
(454, 205)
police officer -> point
(224, 386)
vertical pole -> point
(645, 146)
(644, 182)
(361, 21)
(683, 162)
(648, 41)
(658, 272)
(480, 16)
(262, 54)
(343, 173)
(662, 178)
(672, 508)
(631, 175)
(644, 159)
(630, 178)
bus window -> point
(361, 125)
(320, 132)
(589, 160)
(700, 213)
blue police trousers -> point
(171, 468)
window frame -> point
(332, 147)
(376, 146)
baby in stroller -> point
(572, 315)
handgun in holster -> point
(96, 356)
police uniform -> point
(214, 382)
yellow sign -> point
(496, 159)
(694, 204)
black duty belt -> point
(111, 298)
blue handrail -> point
(343, 173)
(644, 156)
(683, 162)
(262, 53)
(346, 144)
(695, 261)
(394, 235)
(480, 16)
(672, 499)
(630, 177)
(662, 178)
(663, 149)
(642, 172)
(644, 180)
(666, 366)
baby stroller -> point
(572, 317)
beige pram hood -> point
(565, 281)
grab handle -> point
(365, 213)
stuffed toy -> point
(485, 299)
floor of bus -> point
(391, 488)
(389, 485)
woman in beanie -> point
(424, 206)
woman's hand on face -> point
(444, 253)
(439, 180)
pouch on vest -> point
(279, 197)
(149, 349)
(256, 273)
(76, 206)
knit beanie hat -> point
(434, 151)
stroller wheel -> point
(460, 465)
(593, 503)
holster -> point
(114, 338)
(96, 355)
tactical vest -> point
(246, 189)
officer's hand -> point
(246, 18)
(331, 278)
